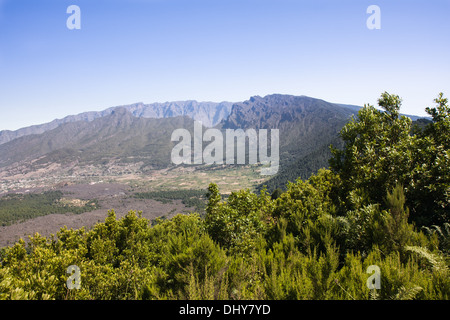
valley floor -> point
(115, 191)
(110, 196)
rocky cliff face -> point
(209, 113)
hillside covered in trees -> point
(384, 201)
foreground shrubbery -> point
(248, 248)
(384, 202)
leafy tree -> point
(376, 153)
(313, 241)
(276, 193)
(380, 152)
(429, 187)
(237, 224)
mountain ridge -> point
(123, 142)
(137, 138)
(210, 113)
(109, 136)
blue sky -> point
(216, 50)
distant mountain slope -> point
(140, 134)
(301, 167)
(118, 136)
(306, 124)
(8, 135)
(210, 113)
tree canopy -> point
(381, 151)
(382, 204)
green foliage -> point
(276, 194)
(190, 198)
(316, 240)
(19, 207)
(443, 235)
(381, 150)
(238, 224)
(249, 247)
(302, 167)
